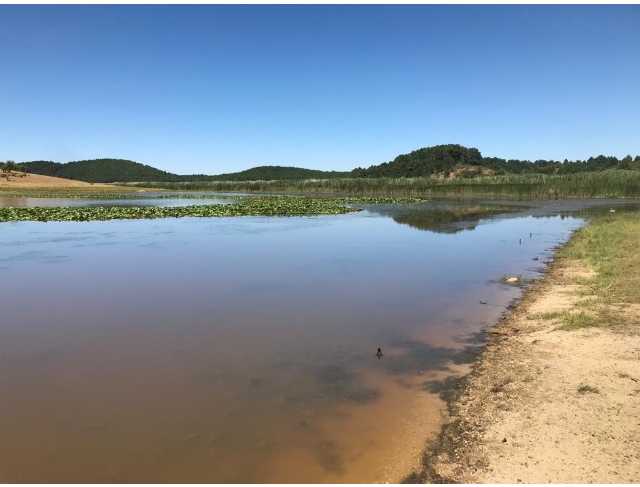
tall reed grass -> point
(603, 184)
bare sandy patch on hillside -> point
(548, 406)
(16, 180)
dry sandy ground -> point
(39, 181)
(520, 416)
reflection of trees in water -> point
(441, 221)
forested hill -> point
(424, 162)
(121, 170)
(268, 173)
(446, 159)
(101, 171)
(442, 161)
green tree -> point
(625, 163)
(9, 166)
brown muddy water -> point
(244, 349)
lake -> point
(244, 349)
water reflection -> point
(243, 349)
(602, 210)
(454, 219)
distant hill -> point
(268, 173)
(122, 170)
(100, 171)
(446, 161)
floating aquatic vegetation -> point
(247, 205)
(291, 206)
(84, 194)
(375, 199)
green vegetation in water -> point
(344, 200)
(249, 206)
(116, 193)
(134, 194)
(252, 207)
(613, 183)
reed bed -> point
(602, 184)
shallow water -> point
(6, 202)
(243, 349)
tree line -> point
(10, 166)
(122, 170)
(270, 173)
(442, 160)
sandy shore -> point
(544, 405)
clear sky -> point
(213, 89)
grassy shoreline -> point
(609, 245)
(603, 301)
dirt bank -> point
(18, 180)
(545, 404)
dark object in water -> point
(483, 302)
(379, 354)
(535, 258)
(520, 240)
(530, 235)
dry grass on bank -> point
(36, 182)
(556, 395)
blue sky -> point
(213, 89)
